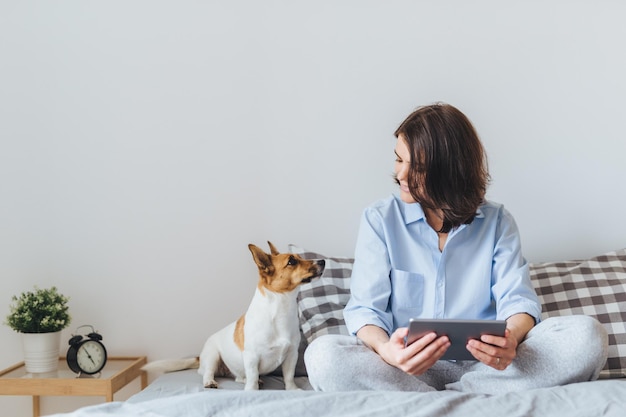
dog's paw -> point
(291, 386)
(210, 384)
(253, 385)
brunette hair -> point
(448, 162)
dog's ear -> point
(273, 249)
(262, 259)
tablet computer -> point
(458, 331)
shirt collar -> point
(413, 212)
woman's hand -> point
(499, 352)
(495, 351)
(414, 359)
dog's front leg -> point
(289, 367)
(251, 367)
(209, 363)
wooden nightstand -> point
(117, 373)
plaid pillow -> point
(595, 287)
(321, 302)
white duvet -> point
(588, 399)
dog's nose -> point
(321, 264)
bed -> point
(594, 287)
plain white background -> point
(144, 144)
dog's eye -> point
(292, 261)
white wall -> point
(144, 144)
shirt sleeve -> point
(511, 286)
(370, 286)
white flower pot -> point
(41, 351)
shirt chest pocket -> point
(407, 292)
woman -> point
(440, 250)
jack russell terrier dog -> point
(266, 336)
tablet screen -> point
(458, 331)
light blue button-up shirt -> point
(399, 272)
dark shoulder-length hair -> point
(448, 168)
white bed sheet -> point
(181, 394)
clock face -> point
(91, 356)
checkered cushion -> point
(321, 302)
(594, 287)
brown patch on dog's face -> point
(239, 335)
(283, 272)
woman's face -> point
(401, 169)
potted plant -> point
(40, 315)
